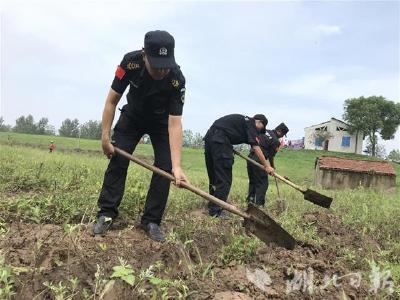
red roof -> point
(359, 166)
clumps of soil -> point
(52, 253)
(49, 253)
(332, 229)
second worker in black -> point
(225, 132)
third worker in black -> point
(258, 179)
(225, 132)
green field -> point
(358, 234)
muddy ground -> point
(51, 253)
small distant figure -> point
(52, 146)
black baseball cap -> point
(159, 48)
(283, 128)
(262, 118)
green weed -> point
(6, 280)
(241, 249)
(63, 291)
(124, 272)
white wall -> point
(309, 138)
(335, 142)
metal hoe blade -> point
(317, 198)
(266, 229)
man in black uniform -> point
(155, 102)
(258, 179)
(227, 131)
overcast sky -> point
(293, 61)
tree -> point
(91, 130)
(28, 125)
(41, 126)
(69, 128)
(379, 149)
(198, 140)
(191, 139)
(187, 137)
(25, 124)
(4, 127)
(370, 116)
(394, 155)
(50, 130)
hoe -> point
(310, 195)
(256, 221)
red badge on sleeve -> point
(120, 73)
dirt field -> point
(51, 253)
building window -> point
(318, 142)
(346, 141)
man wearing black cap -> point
(155, 102)
(258, 179)
(227, 131)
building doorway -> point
(326, 145)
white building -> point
(332, 136)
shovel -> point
(310, 195)
(255, 220)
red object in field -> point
(52, 146)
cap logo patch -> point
(163, 51)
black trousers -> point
(127, 133)
(258, 184)
(219, 162)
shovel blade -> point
(317, 198)
(266, 229)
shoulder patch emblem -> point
(132, 66)
(175, 83)
(120, 72)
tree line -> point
(89, 130)
(371, 116)
(69, 128)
